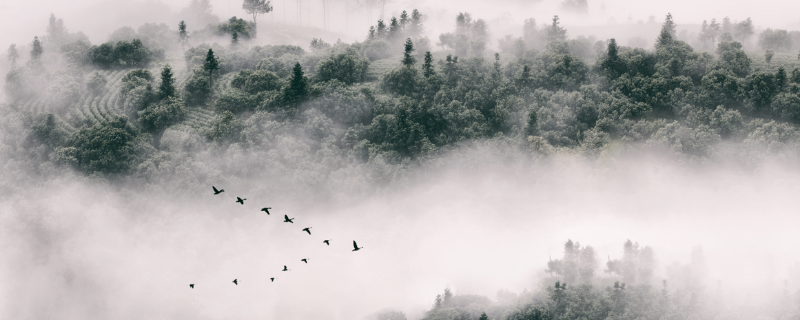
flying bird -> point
(356, 246)
(191, 285)
(304, 260)
(286, 219)
(328, 242)
(272, 279)
(285, 269)
(236, 282)
(307, 230)
(217, 191)
(240, 200)
(266, 210)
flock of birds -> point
(285, 219)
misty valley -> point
(258, 166)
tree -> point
(669, 25)
(427, 65)
(408, 57)
(36, 51)
(743, 30)
(556, 32)
(12, 54)
(347, 67)
(106, 147)
(167, 87)
(234, 39)
(768, 56)
(211, 65)
(256, 7)
(183, 35)
(483, 316)
(532, 127)
(298, 85)
(157, 117)
(56, 32)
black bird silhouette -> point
(266, 210)
(285, 269)
(304, 260)
(272, 279)
(286, 219)
(191, 285)
(217, 191)
(236, 282)
(328, 242)
(240, 200)
(356, 246)
(307, 230)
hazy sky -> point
(97, 18)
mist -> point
(473, 177)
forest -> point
(176, 107)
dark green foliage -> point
(318, 44)
(46, 132)
(298, 86)
(167, 86)
(156, 117)
(237, 101)
(408, 59)
(211, 64)
(347, 67)
(254, 82)
(245, 29)
(402, 81)
(197, 88)
(427, 66)
(183, 35)
(122, 54)
(107, 147)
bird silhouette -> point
(328, 242)
(191, 285)
(285, 269)
(266, 210)
(217, 191)
(236, 282)
(356, 246)
(240, 200)
(304, 260)
(286, 219)
(307, 230)
(272, 279)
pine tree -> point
(211, 65)
(167, 87)
(483, 316)
(664, 38)
(427, 66)
(36, 51)
(533, 124)
(12, 55)
(408, 57)
(298, 85)
(183, 35)
(670, 25)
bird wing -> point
(355, 245)
(215, 189)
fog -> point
(74, 248)
(476, 221)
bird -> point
(356, 246)
(304, 260)
(236, 282)
(217, 191)
(240, 200)
(191, 285)
(285, 269)
(286, 219)
(307, 230)
(328, 242)
(272, 279)
(266, 210)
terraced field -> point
(92, 108)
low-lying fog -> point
(78, 249)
